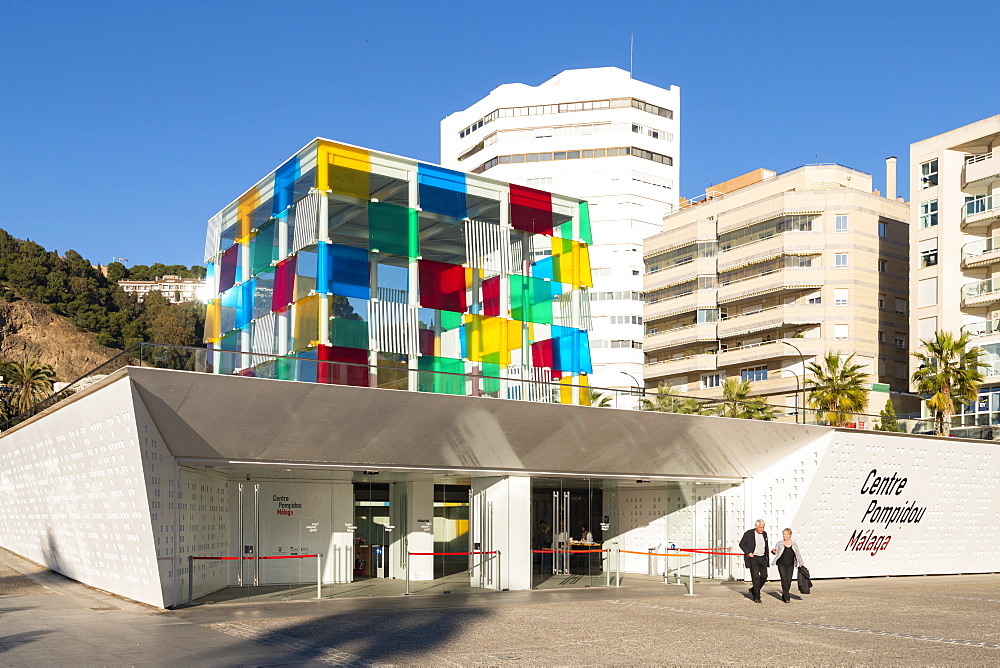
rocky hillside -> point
(29, 329)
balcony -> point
(689, 233)
(979, 330)
(771, 318)
(786, 243)
(680, 304)
(789, 278)
(678, 273)
(981, 253)
(980, 170)
(980, 212)
(980, 293)
(771, 350)
(654, 371)
(679, 336)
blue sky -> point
(125, 125)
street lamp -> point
(801, 357)
(639, 392)
(797, 410)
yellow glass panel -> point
(343, 169)
(566, 390)
(584, 391)
(245, 206)
(490, 340)
(212, 318)
(305, 328)
(571, 262)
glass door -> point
(570, 534)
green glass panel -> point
(530, 299)
(586, 235)
(491, 378)
(263, 250)
(349, 333)
(450, 320)
(284, 368)
(433, 375)
(392, 229)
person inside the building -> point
(787, 557)
(754, 547)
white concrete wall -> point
(822, 494)
(500, 520)
(73, 494)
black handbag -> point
(805, 582)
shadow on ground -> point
(364, 637)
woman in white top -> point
(585, 536)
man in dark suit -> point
(754, 547)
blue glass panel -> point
(349, 275)
(571, 350)
(230, 300)
(442, 190)
(263, 294)
(542, 268)
(244, 304)
(284, 185)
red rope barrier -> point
(291, 556)
(427, 554)
(570, 551)
(251, 558)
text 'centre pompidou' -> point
(354, 267)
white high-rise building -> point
(599, 135)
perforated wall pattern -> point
(73, 494)
(865, 503)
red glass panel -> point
(284, 284)
(542, 353)
(530, 210)
(442, 286)
(491, 296)
(342, 374)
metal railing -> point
(980, 288)
(970, 159)
(508, 385)
(977, 206)
(980, 247)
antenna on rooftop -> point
(631, 47)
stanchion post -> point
(407, 574)
(690, 575)
(618, 569)
(499, 573)
(319, 575)
(190, 579)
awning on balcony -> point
(783, 286)
(679, 342)
(770, 256)
(752, 330)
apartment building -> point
(955, 248)
(599, 135)
(768, 272)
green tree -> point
(887, 418)
(839, 388)
(30, 381)
(948, 375)
(596, 398)
(666, 400)
(737, 402)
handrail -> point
(979, 157)
(988, 245)
(977, 206)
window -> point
(711, 380)
(881, 229)
(881, 302)
(840, 297)
(928, 213)
(929, 174)
(900, 340)
(926, 327)
(804, 261)
(927, 292)
(928, 252)
(900, 307)
(883, 266)
(840, 331)
(881, 336)
(815, 298)
(754, 373)
(840, 224)
(840, 260)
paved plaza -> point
(50, 620)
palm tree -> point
(839, 388)
(666, 400)
(30, 381)
(949, 374)
(737, 402)
(592, 397)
